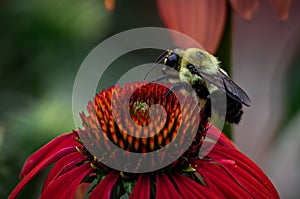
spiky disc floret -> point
(134, 131)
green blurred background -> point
(43, 43)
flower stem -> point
(224, 54)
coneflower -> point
(80, 170)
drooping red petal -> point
(49, 149)
(246, 180)
(242, 167)
(104, 188)
(225, 141)
(203, 20)
(215, 134)
(191, 189)
(238, 171)
(282, 8)
(66, 185)
(165, 188)
(69, 160)
(39, 167)
(218, 180)
(245, 8)
(141, 188)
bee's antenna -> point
(151, 69)
(158, 61)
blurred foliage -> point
(224, 55)
(42, 46)
(292, 89)
(291, 93)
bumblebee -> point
(201, 70)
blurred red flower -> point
(223, 173)
(205, 20)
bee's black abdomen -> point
(201, 90)
(234, 110)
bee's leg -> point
(165, 77)
(176, 86)
(160, 78)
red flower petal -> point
(244, 165)
(191, 189)
(49, 149)
(217, 137)
(69, 161)
(66, 185)
(215, 134)
(165, 188)
(218, 180)
(246, 181)
(103, 190)
(238, 171)
(141, 188)
(281, 8)
(39, 167)
(203, 20)
(245, 8)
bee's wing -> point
(227, 85)
(234, 90)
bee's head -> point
(169, 58)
